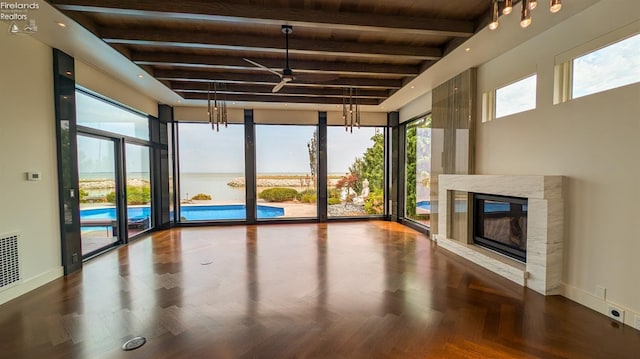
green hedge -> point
(135, 195)
(333, 200)
(306, 193)
(278, 194)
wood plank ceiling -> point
(373, 47)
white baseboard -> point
(30, 284)
(601, 306)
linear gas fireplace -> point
(500, 224)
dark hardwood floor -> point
(339, 290)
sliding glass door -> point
(97, 168)
(138, 188)
(418, 170)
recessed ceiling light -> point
(140, 76)
(179, 101)
(467, 49)
(61, 24)
(413, 87)
(233, 103)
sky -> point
(610, 67)
(614, 66)
(279, 148)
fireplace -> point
(500, 224)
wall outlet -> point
(601, 292)
(616, 313)
(636, 323)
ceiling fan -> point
(287, 74)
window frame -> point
(563, 69)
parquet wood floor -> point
(340, 290)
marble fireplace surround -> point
(543, 270)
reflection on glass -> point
(418, 165)
(102, 115)
(138, 188)
(355, 164)
(287, 170)
(212, 179)
(170, 162)
(96, 168)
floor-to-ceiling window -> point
(355, 166)
(287, 171)
(417, 170)
(114, 172)
(212, 178)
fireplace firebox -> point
(500, 224)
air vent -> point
(9, 263)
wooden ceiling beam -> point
(227, 11)
(300, 66)
(274, 44)
(239, 78)
(203, 87)
(282, 99)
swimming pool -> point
(188, 213)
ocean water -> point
(213, 184)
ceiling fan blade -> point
(262, 67)
(280, 85)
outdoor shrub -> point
(201, 197)
(306, 192)
(375, 203)
(83, 196)
(135, 195)
(138, 195)
(278, 194)
(309, 198)
(333, 200)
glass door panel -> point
(418, 166)
(138, 189)
(98, 204)
(286, 164)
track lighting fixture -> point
(555, 6)
(494, 15)
(508, 7)
(525, 15)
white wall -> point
(27, 143)
(594, 141)
(418, 107)
(105, 85)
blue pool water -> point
(190, 213)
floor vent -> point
(9, 262)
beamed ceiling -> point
(374, 46)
